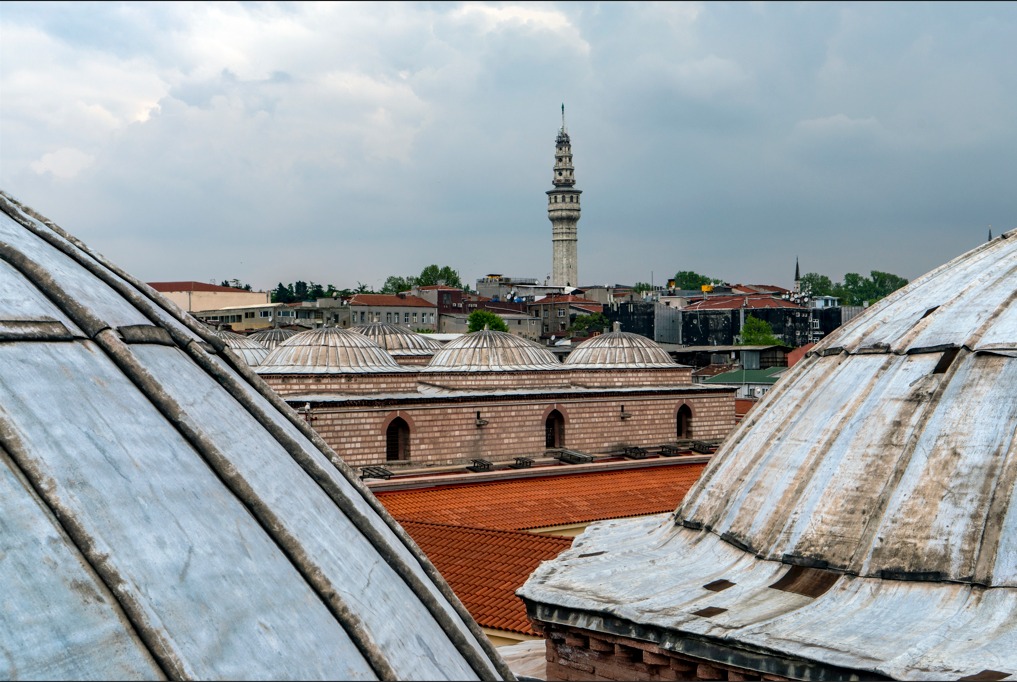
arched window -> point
(397, 441)
(554, 430)
(684, 423)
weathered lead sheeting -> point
(885, 462)
(163, 514)
(329, 350)
(250, 350)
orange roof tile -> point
(525, 503)
(390, 300)
(165, 287)
(486, 567)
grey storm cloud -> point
(342, 143)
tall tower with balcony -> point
(563, 212)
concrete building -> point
(399, 309)
(493, 396)
(191, 296)
(557, 312)
(858, 524)
(563, 212)
(164, 515)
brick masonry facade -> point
(575, 654)
(494, 423)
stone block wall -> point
(444, 432)
(359, 384)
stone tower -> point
(563, 212)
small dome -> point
(270, 338)
(330, 350)
(618, 349)
(250, 350)
(491, 351)
(398, 340)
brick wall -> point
(443, 432)
(575, 654)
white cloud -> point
(63, 163)
(839, 125)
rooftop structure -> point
(618, 349)
(491, 351)
(563, 212)
(166, 515)
(330, 350)
(858, 522)
(398, 341)
(270, 338)
(252, 352)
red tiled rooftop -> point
(391, 300)
(527, 503)
(192, 286)
(485, 567)
(741, 301)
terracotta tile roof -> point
(749, 301)
(191, 286)
(526, 503)
(485, 567)
(391, 300)
(565, 298)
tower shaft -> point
(563, 212)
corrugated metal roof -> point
(884, 463)
(164, 514)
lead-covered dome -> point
(869, 499)
(270, 338)
(398, 341)
(616, 350)
(165, 515)
(329, 350)
(247, 348)
(491, 351)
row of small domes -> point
(371, 347)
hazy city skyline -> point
(343, 143)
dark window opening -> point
(684, 427)
(397, 441)
(949, 355)
(554, 430)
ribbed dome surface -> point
(270, 338)
(865, 513)
(398, 340)
(329, 350)
(250, 350)
(491, 351)
(618, 349)
(165, 515)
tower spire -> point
(797, 274)
(563, 212)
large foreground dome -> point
(864, 516)
(163, 514)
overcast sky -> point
(342, 143)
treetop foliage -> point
(687, 280)
(479, 318)
(757, 332)
(429, 276)
(855, 289)
(584, 323)
(306, 291)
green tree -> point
(394, 284)
(584, 323)
(757, 332)
(688, 280)
(478, 319)
(432, 275)
(282, 294)
(819, 285)
(640, 287)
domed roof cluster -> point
(491, 351)
(165, 515)
(329, 350)
(247, 348)
(874, 487)
(270, 338)
(398, 341)
(618, 349)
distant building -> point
(399, 309)
(193, 296)
(557, 312)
